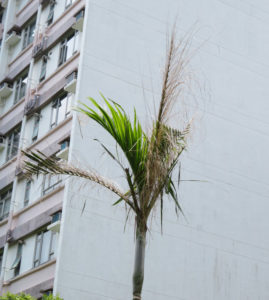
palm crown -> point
(151, 158)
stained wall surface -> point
(220, 250)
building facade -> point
(63, 235)
(39, 61)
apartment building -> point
(40, 43)
(63, 235)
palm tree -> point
(151, 158)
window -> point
(28, 34)
(16, 266)
(50, 183)
(21, 84)
(5, 200)
(60, 109)
(27, 193)
(36, 126)
(56, 217)
(48, 292)
(65, 144)
(43, 68)
(13, 143)
(45, 247)
(68, 3)
(1, 15)
(51, 12)
(1, 260)
(68, 47)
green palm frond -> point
(128, 135)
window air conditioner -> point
(55, 222)
(13, 38)
(71, 82)
(5, 89)
(79, 20)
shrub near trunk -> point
(23, 296)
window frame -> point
(16, 266)
(50, 17)
(1, 15)
(37, 117)
(1, 260)
(43, 69)
(10, 153)
(64, 47)
(56, 104)
(28, 37)
(27, 192)
(47, 188)
(5, 196)
(40, 239)
(19, 86)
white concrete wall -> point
(7, 102)
(21, 4)
(35, 192)
(221, 251)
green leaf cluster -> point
(22, 296)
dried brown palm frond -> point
(40, 163)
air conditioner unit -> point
(5, 89)
(13, 38)
(79, 20)
(31, 105)
(71, 82)
(63, 154)
(2, 142)
(55, 222)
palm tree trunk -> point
(138, 275)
